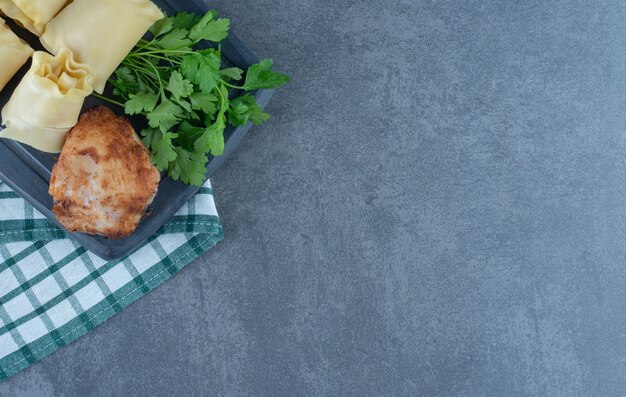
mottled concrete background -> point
(437, 208)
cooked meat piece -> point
(104, 180)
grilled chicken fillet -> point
(104, 180)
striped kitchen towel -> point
(52, 291)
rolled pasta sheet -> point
(101, 32)
(45, 139)
(13, 54)
(32, 14)
(47, 102)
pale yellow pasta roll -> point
(47, 102)
(101, 32)
(32, 14)
(13, 54)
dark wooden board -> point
(27, 171)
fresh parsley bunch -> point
(183, 92)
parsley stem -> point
(224, 103)
(164, 58)
(148, 82)
(162, 52)
(138, 66)
(114, 102)
(160, 80)
(232, 86)
(145, 43)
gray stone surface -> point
(438, 207)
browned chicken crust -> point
(104, 180)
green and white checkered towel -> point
(53, 291)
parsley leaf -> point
(217, 30)
(212, 140)
(238, 114)
(162, 26)
(243, 109)
(177, 38)
(257, 115)
(165, 116)
(207, 103)
(203, 69)
(184, 104)
(188, 134)
(185, 20)
(178, 86)
(209, 28)
(161, 147)
(142, 86)
(189, 167)
(231, 74)
(141, 102)
(126, 75)
(261, 76)
(196, 32)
